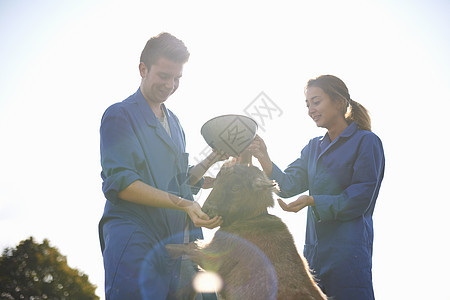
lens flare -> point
(207, 282)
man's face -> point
(160, 81)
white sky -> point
(63, 63)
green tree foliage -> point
(38, 271)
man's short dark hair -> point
(164, 45)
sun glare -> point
(207, 282)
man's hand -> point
(199, 218)
(298, 204)
(217, 156)
(208, 183)
(197, 172)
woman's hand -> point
(199, 218)
(298, 204)
(258, 149)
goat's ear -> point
(263, 184)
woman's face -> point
(325, 112)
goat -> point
(253, 252)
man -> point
(147, 181)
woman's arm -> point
(293, 180)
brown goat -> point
(253, 251)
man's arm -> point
(142, 193)
(196, 173)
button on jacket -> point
(344, 177)
(135, 146)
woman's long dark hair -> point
(337, 90)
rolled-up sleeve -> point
(196, 187)
(358, 197)
(119, 152)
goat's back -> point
(272, 237)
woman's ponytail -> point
(358, 114)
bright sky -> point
(63, 63)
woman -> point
(342, 171)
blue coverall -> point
(135, 146)
(344, 177)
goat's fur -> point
(253, 251)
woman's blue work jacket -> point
(135, 146)
(344, 177)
